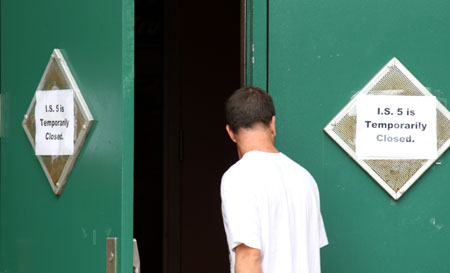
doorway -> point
(187, 62)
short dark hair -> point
(248, 106)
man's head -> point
(248, 107)
(250, 118)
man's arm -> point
(248, 259)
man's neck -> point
(255, 140)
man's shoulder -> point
(237, 170)
(295, 166)
(242, 165)
(256, 162)
(240, 176)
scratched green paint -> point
(40, 232)
(256, 43)
(320, 53)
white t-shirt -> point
(271, 203)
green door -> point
(39, 231)
(313, 56)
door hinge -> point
(111, 255)
(136, 258)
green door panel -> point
(41, 232)
(319, 54)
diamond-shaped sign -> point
(57, 76)
(395, 176)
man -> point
(270, 204)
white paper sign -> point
(396, 127)
(55, 122)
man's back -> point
(271, 203)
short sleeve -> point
(323, 239)
(240, 212)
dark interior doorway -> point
(187, 61)
(148, 142)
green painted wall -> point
(40, 232)
(320, 53)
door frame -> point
(257, 33)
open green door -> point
(39, 231)
(317, 55)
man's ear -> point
(272, 126)
(230, 133)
